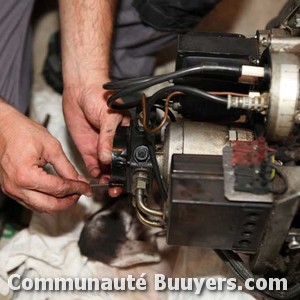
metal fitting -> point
(141, 154)
(148, 216)
(254, 101)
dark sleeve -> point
(173, 15)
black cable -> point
(202, 69)
(235, 263)
(156, 171)
(185, 89)
(188, 90)
(124, 83)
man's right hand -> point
(25, 148)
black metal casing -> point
(198, 214)
(213, 48)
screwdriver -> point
(106, 185)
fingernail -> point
(126, 123)
(95, 172)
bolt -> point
(141, 153)
(294, 244)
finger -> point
(46, 203)
(39, 180)
(41, 202)
(92, 164)
(60, 162)
(126, 119)
(87, 145)
(115, 192)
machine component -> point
(254, 101)
(140, 191)
(198, 214)
(228, 171)
(127, 157)
(284, 90)
(213, 49)
(251, 164)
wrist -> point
(83, 92)
(82, 81)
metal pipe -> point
(139, 196)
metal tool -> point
(106, 185)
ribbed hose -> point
(235, 263)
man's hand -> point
(92, 125)
(86, 36)
(25, 148)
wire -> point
(284, 179)
(156, 171)
(228, 93)
(187, 90)
(235, 263)
(144, 83)
(123, 83)
(165, 117)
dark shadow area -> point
(41, 7)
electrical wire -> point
(283, 178)
(156, 171)
(228, 93)
(200, 69)
(186, 90)
(124, 83)
(165, 117)
(235, 263)
(144, 83)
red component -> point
(249, 153)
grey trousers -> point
(15, 52)
(135, 44)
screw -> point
(141, 153)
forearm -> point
(86, 28)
